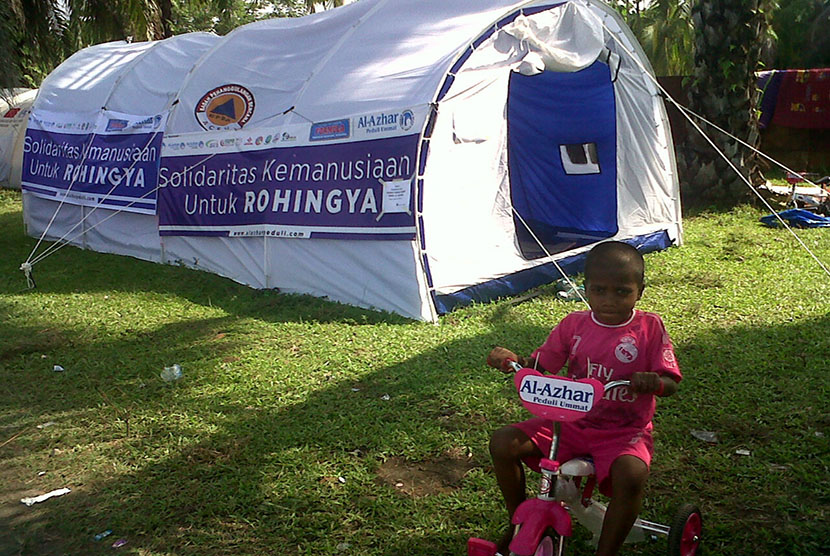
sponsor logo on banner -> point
(117, 124)
(323, 131)
(151, 122)
(407, 120)
(224, 108)
(386, 121)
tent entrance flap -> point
(561, 130)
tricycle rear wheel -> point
(686, 531)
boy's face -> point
(612, 296)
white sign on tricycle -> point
(557, 397)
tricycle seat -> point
(578, 467)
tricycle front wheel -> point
(686, 531)
(553, 545)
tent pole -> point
(266, 268)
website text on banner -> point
(105, 159)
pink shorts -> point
(602, 445)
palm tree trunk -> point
(165, 16)
(723, 90)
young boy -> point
(612, 341)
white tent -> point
(404, 156)
(140, 79)
(15, 105)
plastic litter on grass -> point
(102, 534)
(172, 373)
(31, 501)
(706, 436)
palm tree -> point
(36, 35)
(801, 29)
(664, 30)
(320, 5)
(723, 90)
(668, 36)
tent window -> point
(580, 159)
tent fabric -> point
(545, 273)
(359, 58)
(15, 105)
(134, 78)
(357, 80)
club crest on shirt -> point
(626, 351)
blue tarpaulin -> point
(798, 218)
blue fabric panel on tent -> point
(548, 112)
(533, 277)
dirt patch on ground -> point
(39, 342)
(440, 475)
(24, 530)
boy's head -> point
(614, 281)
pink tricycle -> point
(543, 523)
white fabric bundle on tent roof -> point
(408, 144)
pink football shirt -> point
(604, 352)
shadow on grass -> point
(266, 475)
(74, 270)
(300, 477)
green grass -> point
(278, 440)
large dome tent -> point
(408, 157)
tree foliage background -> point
(719, 45)
(796, 35)
(37, 35)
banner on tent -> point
(349, 178)
(103, 159)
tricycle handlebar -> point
(613, 384)
(513, 365)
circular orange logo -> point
(226, 107)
